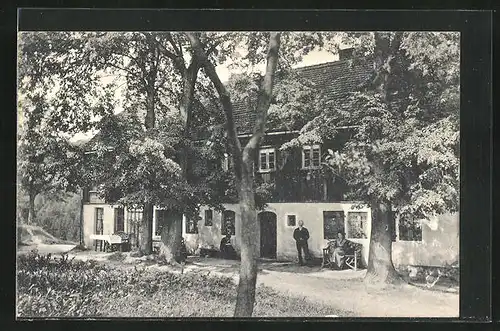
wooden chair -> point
(352, 258)
(125, 244)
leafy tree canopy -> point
(413, 136)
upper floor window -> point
(267, 160)
(93, 195)
(311, 156)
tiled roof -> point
(336, 79)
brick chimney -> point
(346, 53)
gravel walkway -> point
(342, 290)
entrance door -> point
(268, 239)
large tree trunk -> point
(31, 208)
(380, 269)
(171, 234)
(243, 160)
(146, 239)
(249, 236)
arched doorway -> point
(268, 240)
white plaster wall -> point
(212, 235)
(310, 213)
(89, 221)
(438, 246)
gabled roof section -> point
(335, 79)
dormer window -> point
(267, 160)
(311, 156)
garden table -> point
(107, 239)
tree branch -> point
(265, 95)
(177, 59)
(170, 39)
(224, 97)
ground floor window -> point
(409, 230)
(209, 217)
(291, 220)
(134, 218)
(191, 225)
(228, 222)
(161, 218)
(119, 220)
(357, 225)
(99, 216)
(333, 223)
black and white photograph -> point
(168, 174)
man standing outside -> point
(301, 235)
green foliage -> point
(117, 256)
(404, 149)
(51, 287)
(58, 213)
(59, 94)
(60, 217)
(60, 287)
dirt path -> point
(342, 290)
(352, 295)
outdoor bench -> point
(352, 256)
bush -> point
(50, 286)
(61, 287)
(117, 256)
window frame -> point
(363, 228)
(287, 218)
(334, 235)
(159, 213)
(267, 151)
(186, 225)
(398, 232)
(96, 220)
(211, 217)
(134, 218)
(115, 219)
(309, 150)
(223, 228)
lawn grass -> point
(60, 288)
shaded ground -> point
(344, 290)
(341, 290)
